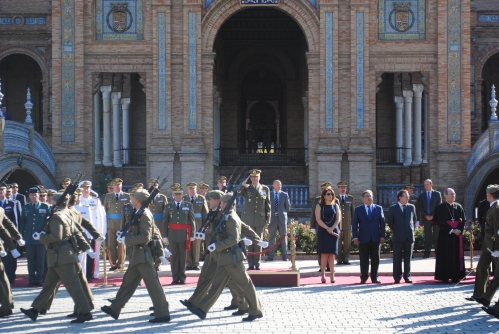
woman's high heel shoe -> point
(323, 280)
(333, 280)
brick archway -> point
(482, 59)
(299, 10)
(30, 52)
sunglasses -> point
(329, 194)
(15, 187)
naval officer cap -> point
(215, 194)
(32, 190)
(342, 184)
(174, 186)
(192, 185)
(153, 181)
(85, 183)
(222, 179)
(178, 190)
(492, 188)
(204, 185)
(141, 194)
(226, 197)
(255, 172)
(326, 185)
(117, 180)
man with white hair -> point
(94, 211)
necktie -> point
(192, 199)
(178, 206)
(429, 201)
(342, 199)
(276, 202)
(403, 209)
(117, 197)
(369, 212)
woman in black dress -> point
(451, 218)
(328, 216)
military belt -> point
(114, 216)
(158, 216)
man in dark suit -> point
(17, 196)
(483, 208)
(402, 220)
(428, 201)
(279, 207)
(368, 230)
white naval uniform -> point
(97, 216)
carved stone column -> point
(399, 121)
(106, 124)
(125, 105)
(116, 97)
(408, 126)
(418, 95)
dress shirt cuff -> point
(451, 230)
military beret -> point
(178, 190)
(141, 195)
(326, 185)
(57, 195)
(110, 185)
(66, 180)
(153, 181)
(215, 194)
(192, 185)
(342, 184)
(85, 184)
(34, 190)
(408, 186)
(204, 185)
(226, 197)
(255, 172)
(138, 185)
(50, 192)
(492, 188)
(117, 180)
(175, 185)
(222, 179)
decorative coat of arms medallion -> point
(119, 19)
(401, 17)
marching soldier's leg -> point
(242, 279)
(50, 286)
(150, 276)
(234, 302)
(175, 260)
(482, 274)
(205, 279)
(257, 259)
(6, 299)
(50, 299)
(112, 245)
(130, 283)
(84, 282)
(69, 277)
(237, 296)
(219, 281)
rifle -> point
(152, 193)
(70, 190)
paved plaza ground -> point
(310, 308)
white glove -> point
(202, 236)
(100, 239)
(212, 247)
(15, 253)
(3, 253)
(165, 239)
(121, 240)
(263, 244)
(495, 253)
(118, 234)
(21, 242)
(192, 239)
(417, 224)
(167, 252)
(247, 242)
(199, 235)
(93, 255)
(313, 230)
(164, 261)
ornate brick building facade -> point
(378, 93)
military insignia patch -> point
(119, 19)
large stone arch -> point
(28, 51)
(482, 59)
(35, 167)
(299, 10)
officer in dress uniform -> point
(17, 196)
(63, 263)
(204, 188)
(172, 196)
(141, 265)
(179, 233)
(256, 212)
(158, 207)
(109, 189)
(200, 212)
(118, 207)
(34, 217)
(313, 221)
(222, 183)
(347, 206)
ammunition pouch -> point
(242, 245)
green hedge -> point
(306, 241)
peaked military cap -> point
(117, 180)
(192, 185)
(175, 185)
(43, 191)
(138, 185)
(85, 183)
(50, 192)
(110, 185)
(153, 181)
(32, 190)
(342, 184)
(66, 180)
(222, 179)
(409, 186)
(255, 172)
(178, 190)
(492, 188)
(204, 185)
(9, 189)
(326, 185)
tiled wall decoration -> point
(67, 71)
(161, 71)
(329, 33)
(119, 20)
(401, 19)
